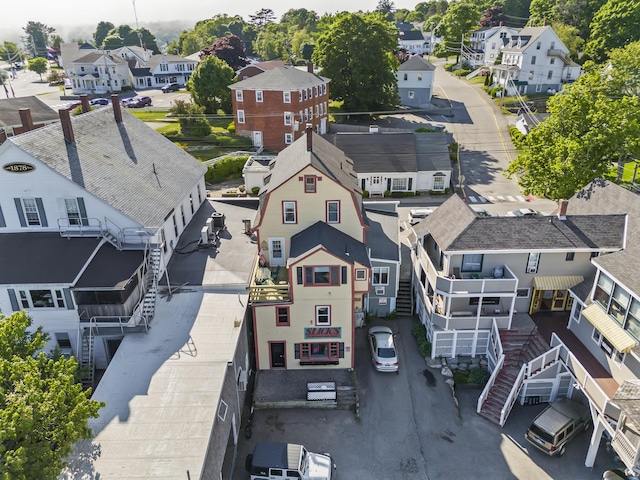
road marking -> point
(510, 198)
(521, 198)
(472, 199)
(500, 198)
(491, 199)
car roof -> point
(422, 211)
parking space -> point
(409, 427)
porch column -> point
(594, 443)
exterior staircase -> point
(86, 360)
(519, 347)
(404, 302)
(152, 277)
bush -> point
(229, 167)
(255, 190)
(420, 333)
(365, 194)
(479, 376)
(516, 135)
(232, 127)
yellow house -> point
(313, 269)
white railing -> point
(494, 348)
(492, 379)
(541, 362)
(624, 448)
(84, 227)
(123, 322)
(513, 396)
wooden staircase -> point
(519, 347)
(404, 302)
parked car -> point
(73, 105)
(99, 102)
(138, 102)
(616, 474)
(282, 461)
(416, 215)
(383, 349)
(560, 422)
(171, 87)
(523, 212)
(481, 212)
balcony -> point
(269, 284)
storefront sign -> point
(323, 332)
(18, 167)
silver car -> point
(384, 354)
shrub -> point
(255, 190)
(365, 194)
(226, 168)
(420, 333)
(232, 127)
(479, 376)
(516, 135)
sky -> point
(71, 17)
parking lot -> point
(410, 428)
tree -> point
(191, 118)
(357, 52)
(386, 7)
(616, 24)
(10, 52)
(206, 32)
(271, 42)
(592, 126)
(460, 19)
(228, 48)
(517, 11)
(38, 65)
(102, 30)
(37, 37)
(300, 19)
(541, 11)
(570, 37)
(493, 17)
(43, 411)
(262, 18)
(209, 85)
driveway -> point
(410, 428)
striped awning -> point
(556, 282)
(609, 328)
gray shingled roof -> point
(604, 197)
(416, 64)
(156, 59)
(411, 35)
(453, 230)
(432, 149)
(331, 239)
(378, 152)
(528, 35)
(627, 397)
(128, 165)
(281, 79)
(583, 289)
(382, 236)
(32, 258)
(93, 57)
(10, 115)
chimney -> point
(310, 67)
(562, 212)
(3, 136)
(67, 129)
(84, 100)
(25, 118)
(117, 108)
(309, 137)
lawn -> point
(627, 176)
(151, 115)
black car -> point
(170, 87)
(138, 102)
(99, 102)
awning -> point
(609, 328)
(556, 283)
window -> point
(406, 77)
(550, 75)
(380, 276)
(380, 290)
(411, 94)
(282, 316)
(321, 351)
(532, 262)
(523, 293)
(304, 94)
(199, 195)
(472, 262)
(533, 60)
(41, 299)
(324, 88)
(289, 213)
(375, 180)
(361, 274)
(619, 302)
(184, 222)
(552, 61)
(164, 67)
(420, 77)
(603, 290)
(538, 44)
(286, 97)
(310, 184)
(73, 211)
(399, 184)
(633, 319)
(333, 211)
(438, 182)
(191, 202)
(552, 46)
(259, 96)
(531, 75)
(539, 88)
(288, 138)
(317, 111)
(321, 276)
(240, 116)
(306, 114)
(299, 96)
(287, 118)
(238, 95)
(323, 315)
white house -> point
(413, 41)
(535, 61)
(99, 72)
(134, 55)
(163, 69)
(415, 82)
(486, 44)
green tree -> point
(616, 24)
(297, 19)
(43, 411)
(542, 10)
(592, 126)
(271, 42)
(38, 65)
(10, 52)
(102, 30)
(262, 18)
(209, 85)
(357, 52)
(37, 37)
(192, 119)
(56, 40)
(461, 18)
(570, 37)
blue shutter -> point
(14, 301)
(83, 211)
(23, 222)
(344, 275)
(68, 298)
(389, 184)
(2, 222)
(43, 216)
(410, 184)
(299, 275)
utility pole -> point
(135, 14)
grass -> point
(151, 115)
(627, 176)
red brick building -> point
(273, 108)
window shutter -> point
(389, 184)
(308, 273)
(43, 216)
(2, 222)
(341, 344)
(14, 301)
(68, 298)
(23, 222)
(296, 350)
(299, 274)
(410, 187)
(363, 184)
(335, 279)
(344, 275)
(83, 211)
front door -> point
(257, 139)
(277, 354)
(536, 301)
(276, 252)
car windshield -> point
(386, 352)
(542, 434)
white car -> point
(384, 355)
(418, 214)
(523, 212)
(481, 212)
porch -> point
(269, 284)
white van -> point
(416, 215)
(287, 461)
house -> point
(487, 43)
(134, 55)
(91, 209)
(256, 170)
(535, 61)
(98, 73)
(165, 69)
(397, 162)
(272, 108)
(415, 82)
(314, 270)
(256, 68)
(71, 51)
(413, 41)
(528, 120)
(15, 112)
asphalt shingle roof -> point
(382, 236)
(416, 64)
(10, 115)
(280, 79)
(331, 239)
(378, 152)
(128, 165)
(93, 57)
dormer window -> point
(310, 184)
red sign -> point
(323, 332)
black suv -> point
(138, 102)
(170, 87)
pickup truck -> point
(280, 461)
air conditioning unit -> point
(204, 235)
(532, 270)
(209, 224)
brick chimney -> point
(3, 136)
(562, 209)
(309, 132)
(67, 128)
(86, 106)
(310, 67)
(25, 118)
(117, 108)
